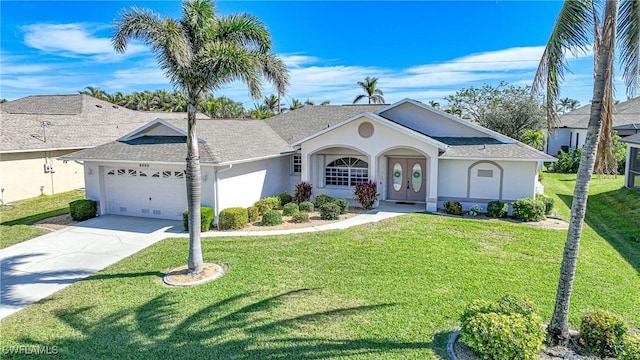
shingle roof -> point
(298, 124)
(222, 141)
(632, 139)
(624, 113)
(69, 121)
(489, 148)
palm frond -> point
(629, 43)
(571, 33)
(245, 30)
(138, 24)
(275, 71)
(359, 97)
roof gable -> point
(157, 127)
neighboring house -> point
(571, 132)
(413, 152)
(36, 130)
(632, 169)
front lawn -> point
(394, 289)
(16, 219)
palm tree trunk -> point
(193, 190)
(600, 109)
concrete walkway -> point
(37, 268)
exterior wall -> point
(429, 123)
(345, 140)
(458, 181)
(571, 138)
(22, 175)
(244, 184)
(628, 174)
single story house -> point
(632, 169)
(571, 132)
(37, 130)
(413, 152)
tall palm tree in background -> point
(199, 53)
(579, 25)
(566, 104)
(295, 104)
(370, 87)
(96, 92)
(272, 102)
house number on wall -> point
(143, 165)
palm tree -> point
(295, 104)
(369, 85)
(579, 24)
(96, 92)
(199, 53)
(434, 104)
(272, 103)
(534, 138)
(567, 104)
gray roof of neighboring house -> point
(632, 139)
(221, 141)
(489, 148)
(70, 121)
(298, 124)
(624, 113)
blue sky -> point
(423, 50)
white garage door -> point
(158, 193)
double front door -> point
(407, 179)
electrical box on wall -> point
(48, 168)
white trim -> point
(494, 159)
(138, 132)
(382, 121)
(252, 159)
(477, 127)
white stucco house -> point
(36, 130)
(413, 152)
(571, 132)
(632, 169)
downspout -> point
(216, 201)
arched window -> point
(347, 171)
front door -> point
(407, 179)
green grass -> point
(16, 219)
(394, 289)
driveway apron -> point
(37, 268)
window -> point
(347, 171)
(634, 168)
(296, 164)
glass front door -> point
(407, 179)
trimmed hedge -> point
(285, 198)
(343, 204)
(306, 206)
(290, 209)
(630, 347)
(253, 214)
(547, 201)
(233, 218)
(528, 210)
(271, 218)
(266, 204)
(453, 207)
(83, 209)
(300, 217)
(497, 209)
(323, 199)
(330, 211)
(206, 219)
(504, 330)
(602, 333)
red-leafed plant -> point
(302, 192)
(366, 194)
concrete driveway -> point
(35, 269)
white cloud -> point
(137, 76)
(76, 39)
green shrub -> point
(343, 204)
(323, 199)
(300, 217)
(453, 207)
(83, 209)
(252, 214)
(528, 209)
(330, 211)
(366, 194)
(206, 219)
(285, 198)
(507, 329)
(266, 204)
(290, 209)
(568, 162)
(302, 192)
(547, 201)
(497, 209)
(306, 206)
(602, 332)
(233, 218)
(630, 347)
(271, 218)
(540, 175)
